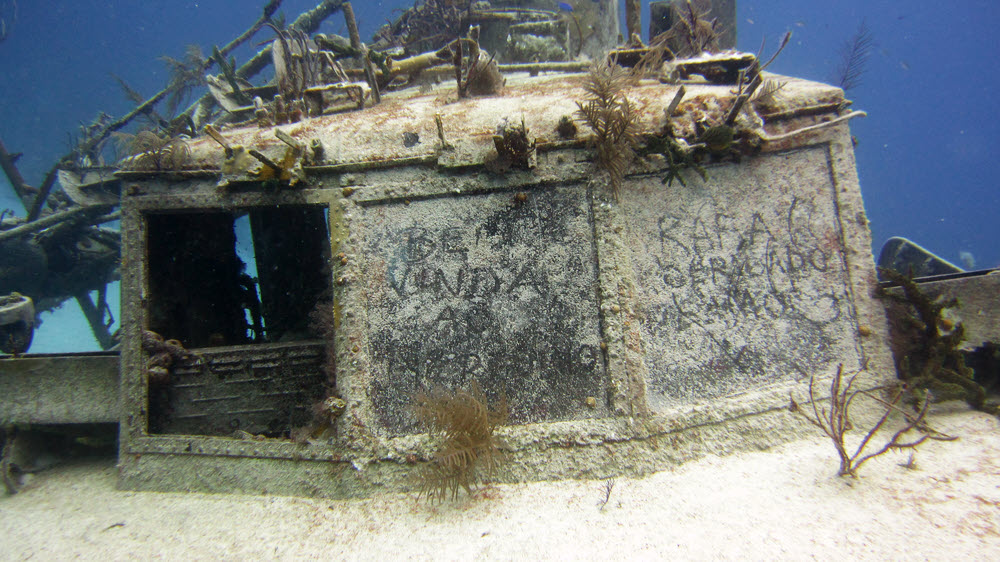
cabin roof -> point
(376, 133)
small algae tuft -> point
(462, 425)
(149, 151)
(566, 128)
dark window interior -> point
(253, 276)
(201, 294)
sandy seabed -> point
(782, 504)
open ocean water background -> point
(926, 155)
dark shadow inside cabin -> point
(201, 294)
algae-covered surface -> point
(785, 503)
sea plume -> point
(613, 118)
(463, 425)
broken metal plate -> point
(265, 390)
(91, 186)
(910, 258)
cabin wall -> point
(626, 335)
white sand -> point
(782, 504)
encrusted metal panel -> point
(978, 311)
(54, 389)
(265, 389)
(498, 287)
(741, 279)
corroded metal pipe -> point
(633, 18)
(361, 49)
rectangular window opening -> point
(245, 294)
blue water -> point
(926, 154)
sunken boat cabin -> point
(620, 264)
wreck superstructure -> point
(677, 314)
(435, 239)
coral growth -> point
(514, 149)
(613, 118)
(163, 355)
(463, 426)
(765, 98)
(836, 422)
(679, 156)
(427, 25)
(476, 73)
(926, 346)
(692, 33)
(185, 76)
(534, 48)
(484, 77)
(678, 153)
(854, 55)
(298, 63)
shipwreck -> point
(640, 256)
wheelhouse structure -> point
(282, 311)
